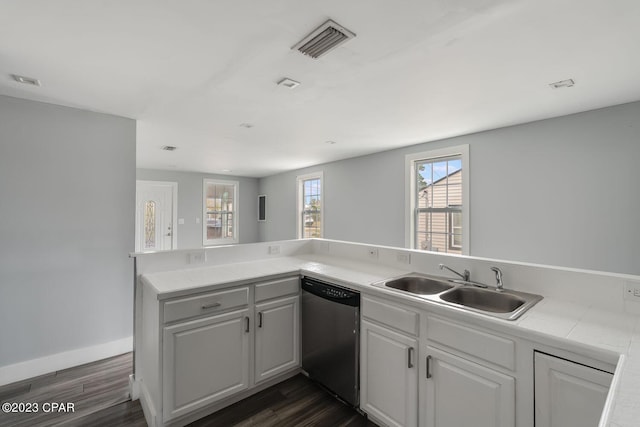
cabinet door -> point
(204, 361)
(389, 375)
(462, 393)
(568, 394)
(277, 337)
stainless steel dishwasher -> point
(331, 337)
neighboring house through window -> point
(438, 200)
(220, 206)
(310, 206)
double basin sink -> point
(506, 304)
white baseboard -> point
(146, 402)
(55, 362)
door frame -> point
(174, 208)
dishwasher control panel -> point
(330, 291)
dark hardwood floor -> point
(100, 394)
(295, 402)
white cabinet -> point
(469, 378)
(389, 367)
(203, 351)
(205, 360)
(389, 363)
(568, 394)
(277, 337)
(462, 393)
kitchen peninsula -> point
(584, 321)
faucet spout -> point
(465, 276)
(499, 284)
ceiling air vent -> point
(26, 80)
(323, 39)
(562, 83)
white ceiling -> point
(192, 71)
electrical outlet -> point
(373, 253)
(403, 258)
(632, 291)
(197, 257)
(274, 250)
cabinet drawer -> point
(491, 348)
(277, 288)
(205, 304)
(390, 314)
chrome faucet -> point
(464, 276)
(498, 278)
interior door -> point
(155, 215)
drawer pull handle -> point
(213, 305)
(259, 319)
(429, 366)
(246, 323)
(410, 357)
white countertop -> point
(598, 333)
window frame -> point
(452, 241)
(411, 160)
(300, 179)
(236, 216)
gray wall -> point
(562, 191)
(67, 194)
(190, 204)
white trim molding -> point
(68, 359)
(410, 189)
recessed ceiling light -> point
(330, 142)
(288, 83)
(227, 170)
(169, 148)
(26, 80)
(562, 83)
(246, 125)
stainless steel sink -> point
(418, 284)
(465, 295)
(507, 304)
(483, 299)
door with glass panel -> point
(155, 215)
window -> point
(310, 206)
(149, 225)
(438, 218)
(220, 206)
